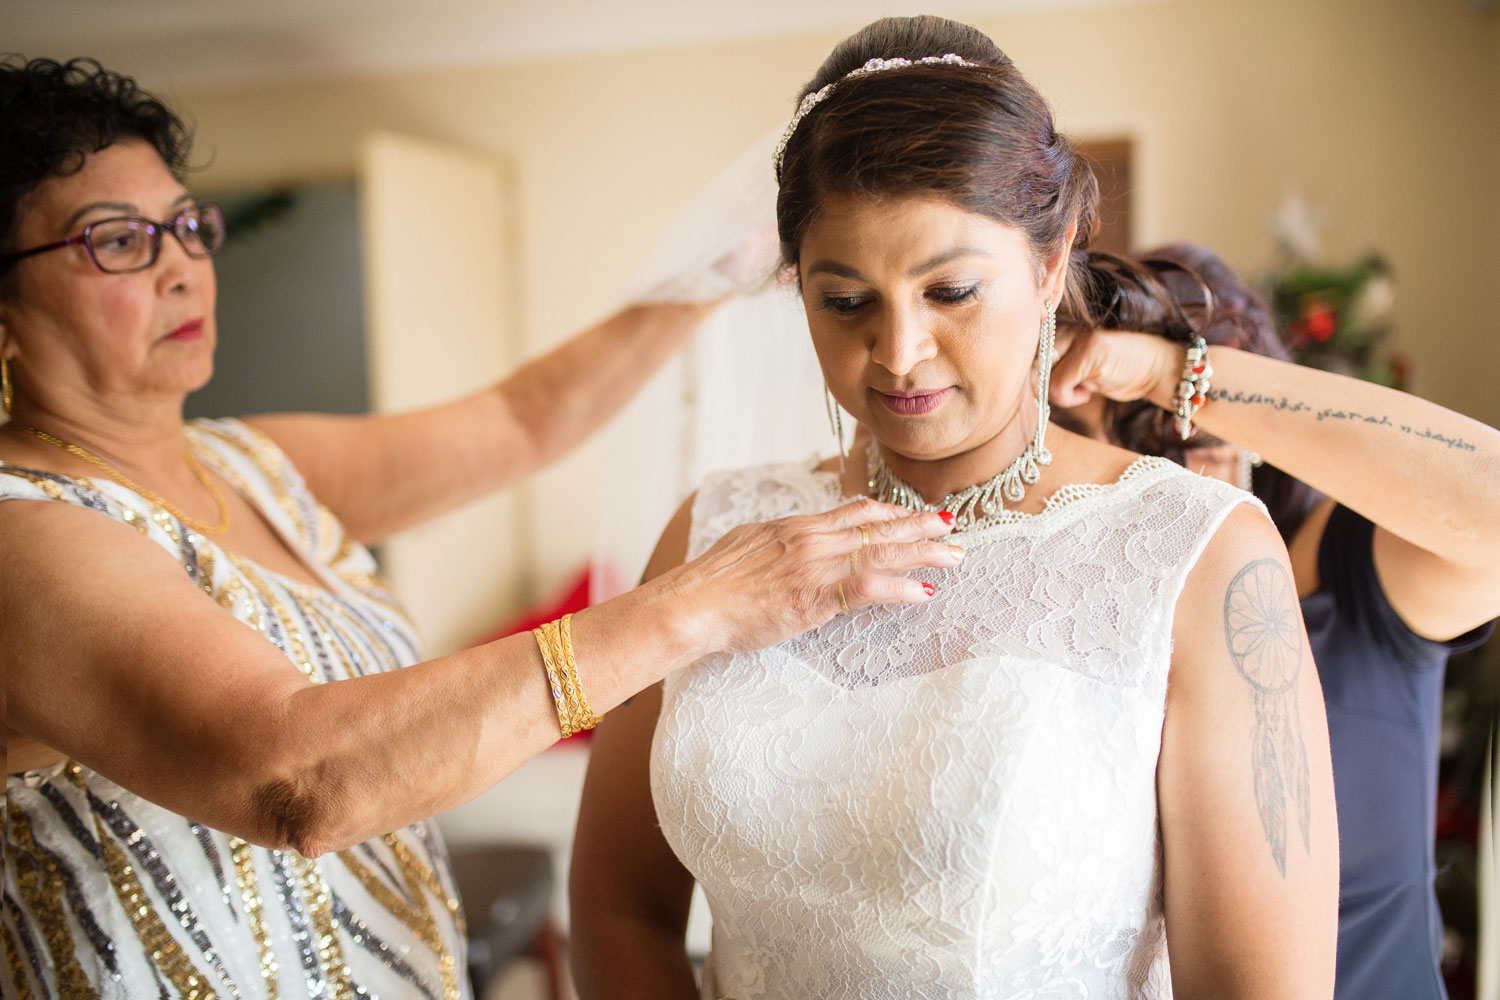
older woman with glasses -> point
(222, 741)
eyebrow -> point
(838, 270)
(119, 206)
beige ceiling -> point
(202, 42)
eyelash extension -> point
(846, 305)
(842, 305)
(953, 295)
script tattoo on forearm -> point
(1285, 405)
(1265, 642)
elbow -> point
(304, 812)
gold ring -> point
(842, 603)
(864, 536)
(853, 562)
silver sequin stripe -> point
(346, 646)
(296, 915)
(376, 626)
(366, 939)
(70, 819)
(100, 941)
(211, 852)
(320, 650)
(149, 859)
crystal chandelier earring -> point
(1046, 357)
(836, 425)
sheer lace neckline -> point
(1143, 471)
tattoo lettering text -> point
(1285, 405)
(1265, 642)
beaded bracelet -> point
(555, 640)
(1192, 389)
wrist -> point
(682, 630)
(1166, 373)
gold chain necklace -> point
(119, 477)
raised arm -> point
(114, 657)
(1427, 477)
(1244, 783)
(381, 474)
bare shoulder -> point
(1240, 589)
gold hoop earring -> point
(5, 390)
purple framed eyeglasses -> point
(130, 243)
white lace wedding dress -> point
(948, 800)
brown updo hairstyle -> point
(978, 137)
(1180, 291)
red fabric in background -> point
(573, 598)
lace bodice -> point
(947, 800)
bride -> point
(1101, 732)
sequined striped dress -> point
(108, 895)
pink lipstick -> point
(914, 403)
(191, 330)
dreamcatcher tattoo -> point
(1261, 627)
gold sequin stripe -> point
(297, 652)
(342, 630)
(416, 875)
(437, 854)
(148, 861)
(326, 931)
(43, 897)
(384, 895)
(163, 948)
(136, 521)
(17, 970)
(242, 856)
(417, 916)
(258, 455)
(428, 876)
(230, 594)
(103, 946)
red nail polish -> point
(947, 516)
(929, 587)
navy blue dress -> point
(1383, 686)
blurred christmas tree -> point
(1333, 317)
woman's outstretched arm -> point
(383, 473)
(1427, 477)
(133, 671)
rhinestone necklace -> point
(109, 470)
(976, 506)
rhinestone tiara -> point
(872, 66)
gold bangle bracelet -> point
(583, 714)
(555, 640)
